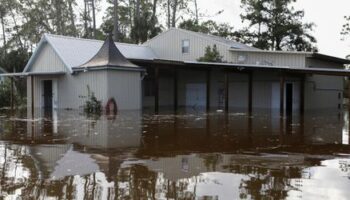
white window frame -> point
(183, 46)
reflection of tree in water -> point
(211, 161)
(135, 182)
(265, 183)
(11, 155)
(344, 166)
(19, 174)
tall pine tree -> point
(276, 25)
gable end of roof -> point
(223, 41)
(44, 40)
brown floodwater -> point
(190, 155)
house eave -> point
(329, 58)
(242, 67)
(98, 68)
(22, 74)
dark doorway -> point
(289, 98)
(47, 95)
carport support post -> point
(282, 85)
(208, 90)
(12, 95)
(227, 83)
(156, 90)
(250, 93)
(302, 94)
(32, 94)
(176, 103)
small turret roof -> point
(109, 56)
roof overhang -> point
(59, 73)
(243, 67)
(247, 67)
(329, 58)
(269, 51)
(97, 68)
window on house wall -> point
(185, 46)
(242, 58)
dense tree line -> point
(273, 25)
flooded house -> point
(165, 72)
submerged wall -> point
(320, 91)
(72, 90)
(324, 92)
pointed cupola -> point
(109, 56)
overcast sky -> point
(328, 15)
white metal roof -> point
(77, 51)
(73, 163)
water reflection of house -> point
(88, 144)
(186, 166)
(102, 132)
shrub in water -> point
(92, 105)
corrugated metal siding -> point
(275, 59)
(125, 88)
(38, 90)
(73, 92)
(166, 91)
(29, 94)
(168, 46)
(48, 61)
(324, 92)
(238, 89)
(188, 77)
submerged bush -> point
(92, 105)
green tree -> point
(275, 25)
(211, 55)
(136, 20)
(15, 61)
(5, 93)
